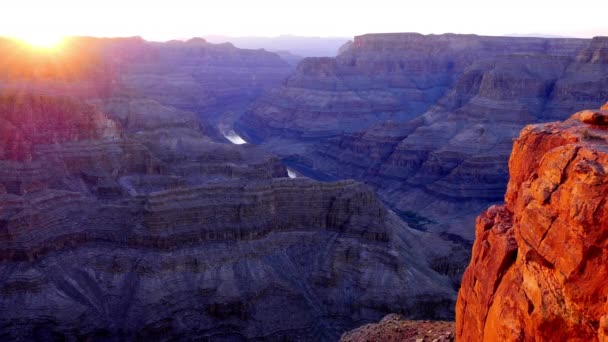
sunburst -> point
(41, 40)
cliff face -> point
(121, 216)
(427, 120)
(381, 77)
(260, 260)
(215, 81)
(270, 259)
(540, 260)
(29, 120)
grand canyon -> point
(189, 190)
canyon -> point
(538, 267)
(191, 190)
(126, 214)
(427, 120)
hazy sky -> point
(163, 20)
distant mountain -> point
(302, 46)
(537, 35)
(289, 57)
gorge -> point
(125, 214)
(426, 120)
(191, 190)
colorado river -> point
(234, 138)
(237, 140)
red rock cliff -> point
(539, 269)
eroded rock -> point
(598, 118)
(122, 215)
(540, 261)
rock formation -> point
(427, 120)
(380, 77)
(199, 248)
(394, 328)
(215, 81)
(122, 216)
(29, 120)
(539, 263)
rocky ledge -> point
(540, 261)
(395, 328)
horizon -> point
(209, 37)
(272, 19)
(313, 171)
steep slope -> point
(380, 77)
(34, 119)
(215, 81)
(285, 259)
(426, 120)
(120, 218)
(540, 261)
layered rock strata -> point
(214, 81)
(540, 260)
(285, 259)
(426, 120)
(382, 77)
(120, 218)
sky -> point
(171, 19)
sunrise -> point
(40, 40)
(353, 171)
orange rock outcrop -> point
(539, 270)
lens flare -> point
(41, 40)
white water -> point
(234, 138)
(291, 173)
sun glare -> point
(42, 41)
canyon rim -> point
(221, 178)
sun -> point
(41, 40)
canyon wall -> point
(428, 121)
(382, 77)
(214, 81)
(122, 216)
(540, 260)
(150, 255)
(236, 260)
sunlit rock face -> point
(540, 261)
(427, 120)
